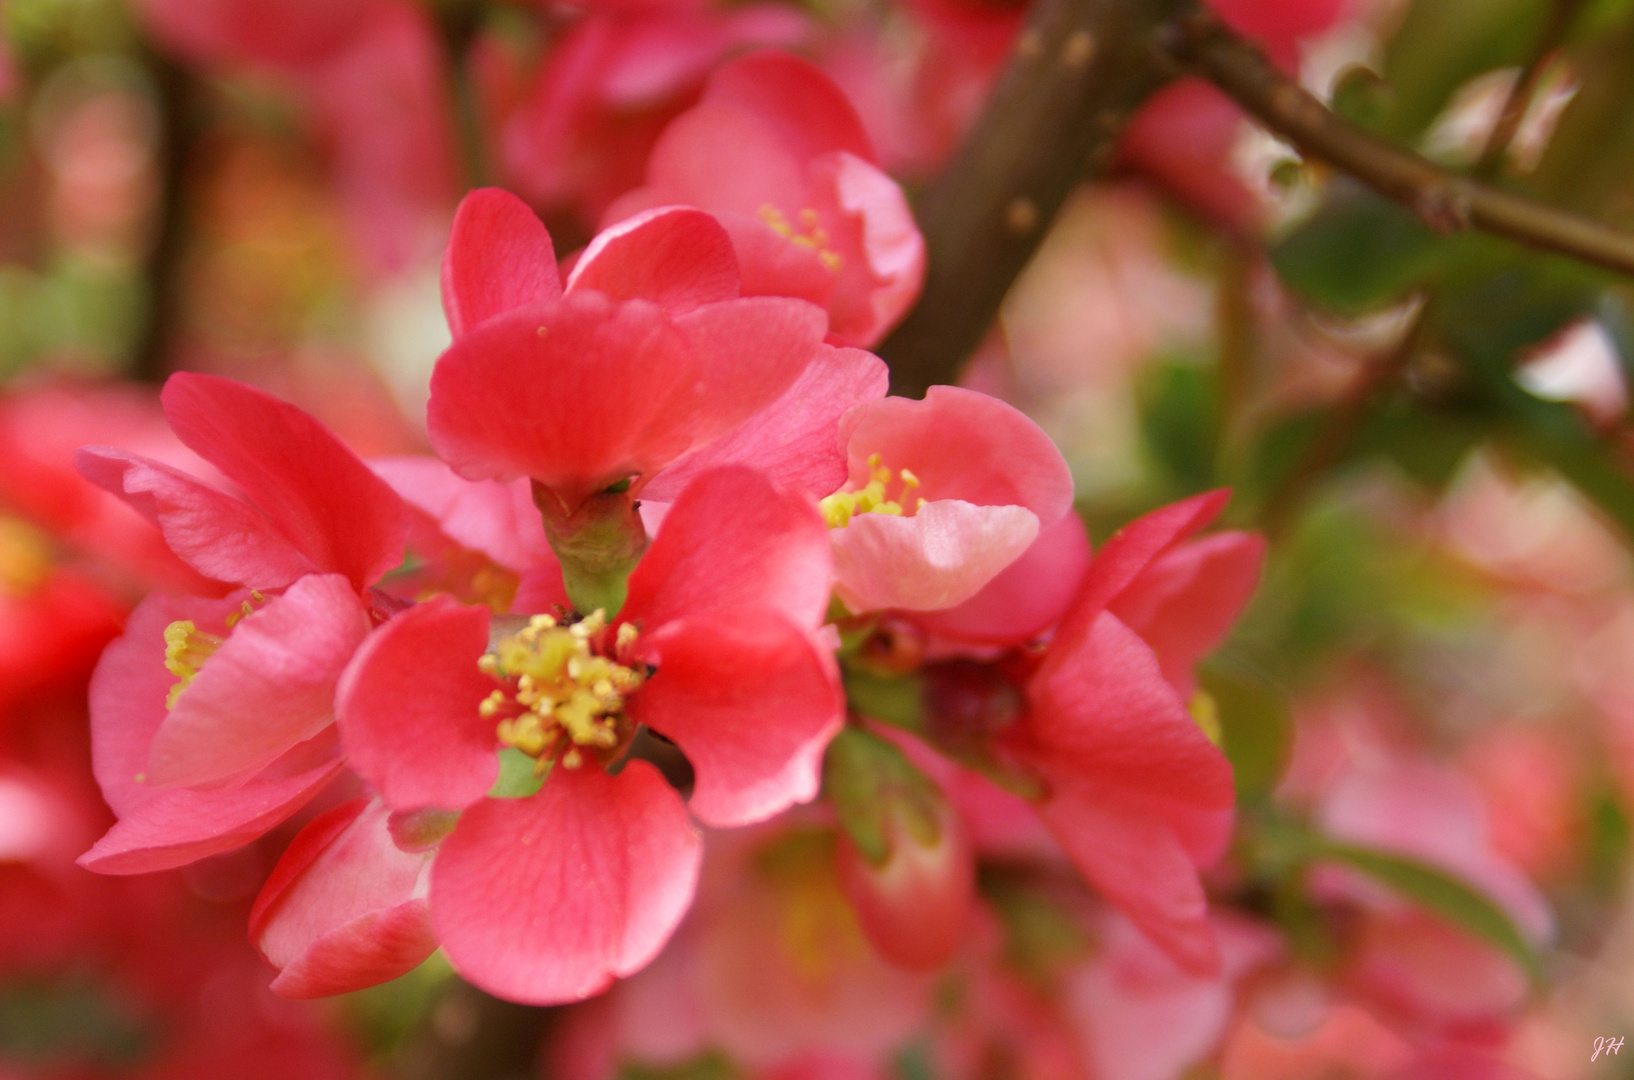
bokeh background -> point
(1430, 429)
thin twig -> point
(1078, 69)
(1446, 200)
(1519, 99)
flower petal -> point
(730, 540)
(407, 708)
(751, 701)
(547, 899)
(344, 908)
(219, 536)
(498, 520)
(963, 445)
(1026, 597)
(675, 256)
(1185, 602)
(794, 440)
(941, 557)
(269, 686)
(316, 492)
(1136, 862)
(180, 825)
(499, 257)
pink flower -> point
(549, 896)
(648, 353)
(780, 156)
(943, 494)
(581, 133)
(212, 719)
(345, 908)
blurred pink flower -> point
(779, 155)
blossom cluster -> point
(671, 518)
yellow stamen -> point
(810, 234)
(873, 497)
(186, 649)
(569, 687)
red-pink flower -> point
(779, 155)
(648, 352)
(943, 494)
(212, 719)
(345, 907)
(549, 896)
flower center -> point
(810, 234)
(565, 689)
(187, 647)
(885, 493)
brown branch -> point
(1444, 199)
(1078, 69)
(180, 100)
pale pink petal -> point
(269, 686)
(407, 708)
(219, 536)
(498, 520)
(316, 492)
(1186, 601)
(751, 701)
(180, 825)
(794, 441)
(964, 445)
(547, 899)
(344, 908)
(1025, 598)
(892, 246)
(938, 558)
(499, 257)
(733, 540)
(675, 256)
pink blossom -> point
(648, 353)
(943, 494)
(779, 155)
(713, 649)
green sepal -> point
(879, 793)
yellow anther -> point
(873, 497)
(25, 555)
(186, 649)
(810, 234)
(566, 690)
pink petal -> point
(1102, 710)
(962, 445)
(269, 686)
(1186, 601)
(219, 536)
(1026, 597)
(344, 908)
(128, 691)
(808, 110)
(753, 703)
(893, 248)
(794, 440)
(498, 520)
(499, 257)
(180, 825)
(674, 256)
(407, 708)
(547, 899)
(733, 540)
(939, 558)
(754, 350)
(1130, 550)
(315, 491)
(1136, 862)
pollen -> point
(874, 497)
(563, 689)
(808, 234)
(186, 649)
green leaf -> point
(1357, 254)
(1442, 44)
(877, 791)
(1177, 417)
(890, 699)
(1257, 724)
(1439, 892)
